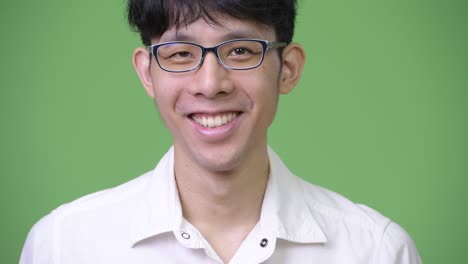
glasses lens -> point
(241, 54)
(179, 56)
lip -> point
(215, 134)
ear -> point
(141, 63)
(291, 70)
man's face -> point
(218, 117)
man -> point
(215, 70)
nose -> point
(212, 79)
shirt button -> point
(264, 242)
(185, 235)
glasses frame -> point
(266, 45)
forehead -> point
(222, 28)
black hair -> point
(151, 18)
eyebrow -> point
(233, 34)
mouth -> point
(214, 120)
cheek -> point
(263, 92)
(165, 95)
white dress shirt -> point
(141, 222)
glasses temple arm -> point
(273, 45)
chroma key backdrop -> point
(379, 116)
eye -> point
(182, 54)
(178, 51)
(240, 51)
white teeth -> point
(217, 121)
(214, 121)
(210, 122)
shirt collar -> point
(286, 204)
(159, 210)
(285, 211)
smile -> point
(217, 120)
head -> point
(218, 116)
(151, 18)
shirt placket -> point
(256, 248)
(189, 237)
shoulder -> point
(332, 206)
(102, 199)
(397, 245)
(342, 218)
(38, 245)
(106, 199)
(99, 208)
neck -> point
(212, 199)
(224, 206)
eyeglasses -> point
(237, 54)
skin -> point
(221, 173)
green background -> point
(379, 116)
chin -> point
(219, 163)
